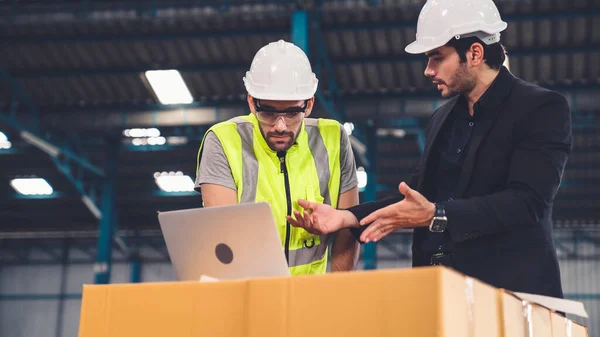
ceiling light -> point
(361, 175)
(31, 186)
(169, 87)
(174, 182)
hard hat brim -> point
(418, 48)
(282, 96)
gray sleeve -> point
(214, 167)
(348, 165)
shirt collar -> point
(497, 91)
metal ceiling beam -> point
(276, 32)
(30, 134)
(71, 165)
(512, 53)
(207, 113)
(510, 18)
(279, 31)
(37, 73)
(242, 67)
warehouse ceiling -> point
(73, 74)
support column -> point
(136, 269)
(299, 33)
(108, 221)
(370, 193)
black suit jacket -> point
(500, 222)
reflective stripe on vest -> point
(256, 173)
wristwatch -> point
(439, 222)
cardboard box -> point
(522, 316)
(522, 319)
(564, 327)
(424, 302)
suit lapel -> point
(436, 124)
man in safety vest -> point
(278, 155)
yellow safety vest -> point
(309, 170)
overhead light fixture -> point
(149, 141)
(4, 143)
(349, 127)
(139, 132)
(174, 182)
(169, 87)
(177, 140)
(361, 175)
(399, 133)
(31, 186)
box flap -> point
(556, 304)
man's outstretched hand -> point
(321, 219)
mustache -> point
(280, 134)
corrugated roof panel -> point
(115, 55)
(92, 93)
(418, 69)
(510, 36)
(216, 52)
(358, 78)
(373, 77)
(395, 40)
(594, 66)
(365, 46)
(349, 45)
(174, 55)
(343, 77)
(228, 48)
(528, 71)
(579, 31)
(388, 77)
(527, 32)
(595, 23)
(333, 43)
(201, 54)
(215, 87)
(402, 75)
(195, 84)
(580, 68)
(380, 41)
(145, 52)
(544, 68)
(562, 65)
(244, 49)
(562, 35)
(580, 4)
(75, 92)
(545, 29)
(228, 79)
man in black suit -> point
(481, 198)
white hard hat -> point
(442, 20)
(281, 71)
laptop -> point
(226, 242)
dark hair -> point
(494, 54)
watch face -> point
(438, 225)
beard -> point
(461, 82)
(282, 144)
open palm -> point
(318, 219)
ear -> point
(475, 54)
(309, 106)
(251, 104)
